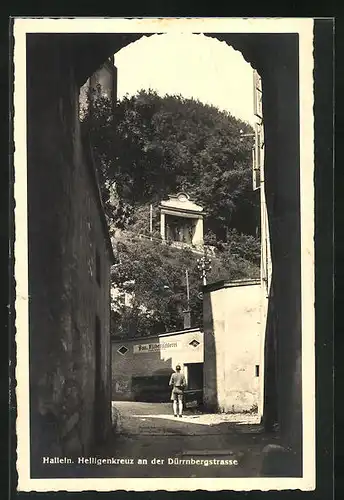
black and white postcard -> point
(164, 254)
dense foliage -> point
(153, 274)
(152, 146)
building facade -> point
(70, 255)
(265, 254)
(102, 82)
(141, 367)
(232, 355)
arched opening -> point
(178, 75)
(203, 68)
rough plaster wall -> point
(89, 298)
(62, 297)
(213, 319)
(282, 181)
(232, 353)
(241, 348)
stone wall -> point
(232, 353)
(68, 247)
(283, 388)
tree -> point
(154, 274)
(153, 146)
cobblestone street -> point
(226, 445)
(134, 418)
(149, 442)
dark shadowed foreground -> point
(151, 442)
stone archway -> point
(57, 66)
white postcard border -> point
(304, 27)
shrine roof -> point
(181, 201)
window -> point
(194, 343)
(258, 95)
(258, 155)
(98, 268)
(257, 370)
(123, 350)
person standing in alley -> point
(178, 383)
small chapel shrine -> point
(181, 220)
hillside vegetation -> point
(150, 147)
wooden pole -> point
(187, 286)
(151, 222)
(187, 312)
(204, 266)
